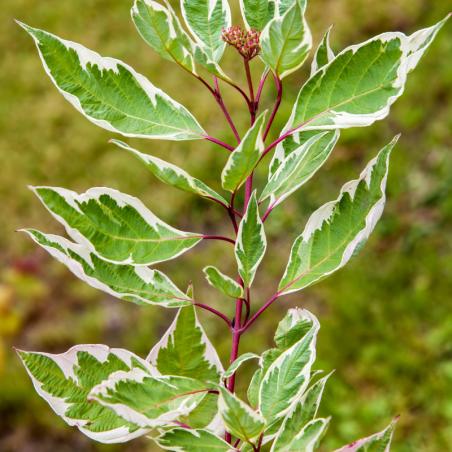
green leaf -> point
(320, 150)
(148, 401)
(237, 363)
(287, 378)
(337, 231)
(244, 159)
(184, 440)
(257, 13)
(379, 442)
(299, 415)
(223, 283)
(309, 437)
(253, 390)
(286, 41)
(161, 29)
(139, 285)
(65, 381)
(299, 166)
(117, 227)
(251, 242)
(360, 84)
(295, 325)
(173, 175)
(324, 54)
(241, 421)
(205, 19)
(186, 351)
(111, 94)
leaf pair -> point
(130, 396)
(161, 29)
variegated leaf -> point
(251, 242)
(253, 389)
(184, 440)
(299, 166)
(286, 41)
(172, 174)
(257, 13)
(337, 231)
(117, 227)
(139, 285)
(241, 421)
(324, 54)
(310, 436)
(148, 401)
(237, 363)
(161, 29)
(65, 381)
(287, 378)
(295, 325)
(300, 414)
(223, 283)
(244, 159)
(360, 84)
(205, 19)
(186, 351)
(381, 442)
(111, 94)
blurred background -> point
(386, 318)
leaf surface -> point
(286, 41)
(237, 363)
(223, 283)
(309, 437)
(184, 440)
(111, 94)
(65, 381)
(251, 242)
(287, 378)
(147, 401)
(299, 166)
(139, 285)
(324, 54)
(161, 29)
(186, 351)
(173, 175)
(360, 84)
(337, 231)
(205, 19)
(244, 159)
(299, 415)
(381, 442)
(240, 419)
(117, 227)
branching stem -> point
(219, 99)
(218, 237)
(275, 109)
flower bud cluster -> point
(246, 42)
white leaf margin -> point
(122, 200)
(306, 371)
(210, 355)
(325, 212)
(89, 56)
(144, 273)
(130, 415)
(324, 44)
(409, 44)
(66, 362)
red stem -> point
(214, 311)
(214, 140)
(258, 313)
(275, 109)
(225, 111)
(217, 237)
(261, 86)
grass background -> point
(386, 318)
